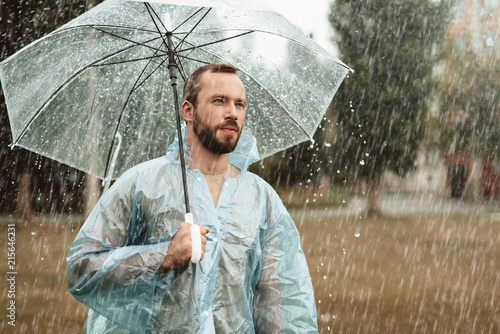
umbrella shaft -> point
(181, 146)
(172, 69)
(172, 65)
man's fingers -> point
(204, 230)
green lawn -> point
(411, 274)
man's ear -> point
(187, 110)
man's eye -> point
(219, 100)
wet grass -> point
(43, 302)
(413, 274)
(408, 274)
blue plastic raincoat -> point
(253, 277)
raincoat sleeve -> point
(110, 270)
(284, 298)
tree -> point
(392, 45)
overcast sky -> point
(309, 15)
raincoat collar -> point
(245, 154)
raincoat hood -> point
(245, 153)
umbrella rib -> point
(149, 8)
(132, 41)
(182, 23)
(130, 60)
(154, 21)
(136, 85)
(194, 47)
(180, 68)
(192, 29)
(180, 65)
(215, 42)
(190, 17)
(95, 26)
(67, 81)
(151, 11)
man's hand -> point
(180, 249)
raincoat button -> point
(215, 239)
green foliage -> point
(392, 45)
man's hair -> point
(192, 84)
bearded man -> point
(130, 262)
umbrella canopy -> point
(95, 93)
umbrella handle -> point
(195, 238)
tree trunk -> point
(25, 215)
(372, 196)
(92, 193)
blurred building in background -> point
(468, 110)
(475, 35)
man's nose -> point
(231, 112)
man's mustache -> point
(229, 123)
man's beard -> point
(208, 135)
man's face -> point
(220, 111)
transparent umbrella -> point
(95, 93)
